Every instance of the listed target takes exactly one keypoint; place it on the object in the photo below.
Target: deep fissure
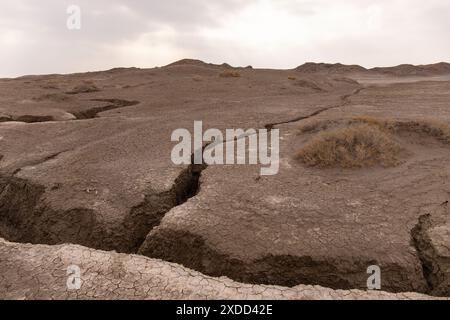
(113, 104)
(432, 263)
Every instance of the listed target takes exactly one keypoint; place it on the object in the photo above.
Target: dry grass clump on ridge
(431, 127)
(230, 74)
(356, 146)
(317, 125)
(362, 141)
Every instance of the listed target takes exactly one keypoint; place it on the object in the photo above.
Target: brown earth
(85, 160)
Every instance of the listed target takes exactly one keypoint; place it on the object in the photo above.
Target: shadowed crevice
(113, 104)
(193, 252)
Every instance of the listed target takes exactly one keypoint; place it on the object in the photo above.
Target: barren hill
(311, 67)
(420, 70)
(441, 68)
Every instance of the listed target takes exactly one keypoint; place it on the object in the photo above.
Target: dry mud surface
(86, 179)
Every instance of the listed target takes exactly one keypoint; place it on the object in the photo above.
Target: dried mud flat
(86, 179)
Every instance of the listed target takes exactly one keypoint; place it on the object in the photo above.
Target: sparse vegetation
(356, 146)
(230, 74)
(434, 128)
(53, 85)
(86, 87)
(308, 84)
(347, 80)
(55, 97)
(362, 141)
(431, 127)
(316, 125)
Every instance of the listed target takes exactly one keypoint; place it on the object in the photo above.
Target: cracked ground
(86, 179)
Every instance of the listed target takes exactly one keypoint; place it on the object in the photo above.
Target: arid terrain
(86, 179)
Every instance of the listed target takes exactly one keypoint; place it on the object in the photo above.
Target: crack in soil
(27, 218)
(80, 115)
(114, 104)
(344, 101)
(40, 161)
(435, 266)
(147, 215)
(193, 252)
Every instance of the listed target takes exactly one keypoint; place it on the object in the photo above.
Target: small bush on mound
(356, 146)
(230, 74)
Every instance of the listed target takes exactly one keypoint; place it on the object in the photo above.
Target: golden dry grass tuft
(356, 146)
(230, 74)
(363, 141)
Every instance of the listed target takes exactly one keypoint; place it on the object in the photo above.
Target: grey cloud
(34, 38)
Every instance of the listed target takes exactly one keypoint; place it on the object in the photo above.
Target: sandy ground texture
(85, 160)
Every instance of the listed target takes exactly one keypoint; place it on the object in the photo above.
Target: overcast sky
(34, 37)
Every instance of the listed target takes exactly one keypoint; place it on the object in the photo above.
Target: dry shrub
(86, 87)
(308, 85)
(434, 128)
(55, 97)
(362, 141)
(316, 125)
(357, 146)
(50, 85)
(292, 78)
(230, 74)
(431, 127)
(346, 80)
